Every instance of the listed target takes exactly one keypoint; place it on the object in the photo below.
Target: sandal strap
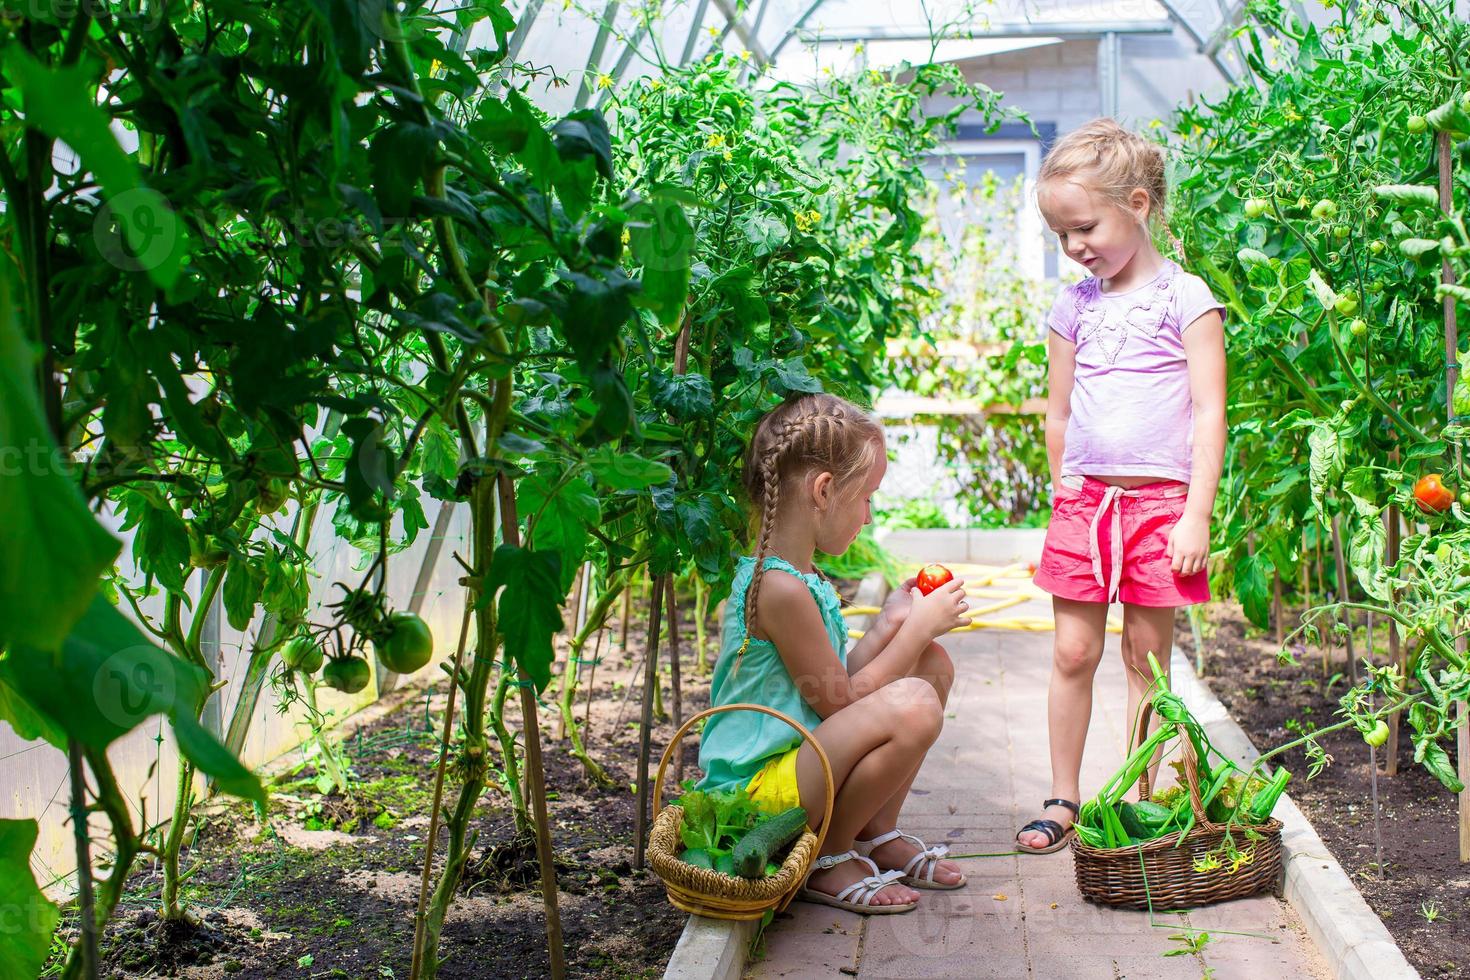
(833, 860)
(1076, 810)
(1050, 828)
(932, 854)
(867, 846)
(863, 892)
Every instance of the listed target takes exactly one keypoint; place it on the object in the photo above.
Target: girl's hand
(1189, 545)
(896, 607)
(941, 610)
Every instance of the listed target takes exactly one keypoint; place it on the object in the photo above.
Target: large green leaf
(27, 918)
(529, 607)
(627, 471)
(1365, 557)
(106, 681)
(61, 102)
(1253, 588)
(560, 517)
(52, 550)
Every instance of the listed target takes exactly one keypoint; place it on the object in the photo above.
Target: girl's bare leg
(1079, 646)
(935, 667)
(1146, 629)
(869, 744)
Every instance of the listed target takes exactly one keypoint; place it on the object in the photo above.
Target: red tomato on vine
(1432, 495)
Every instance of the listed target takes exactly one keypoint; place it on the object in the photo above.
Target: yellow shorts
(774, 789)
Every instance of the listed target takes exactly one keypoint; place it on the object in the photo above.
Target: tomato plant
(1342, 334)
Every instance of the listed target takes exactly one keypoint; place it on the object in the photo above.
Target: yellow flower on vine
(728, 156)
(656, 84)
(604, 80)
(627, 237)
(713, 31)
(858, 48)
(1241, 858)
(744, 55)
(714, 141)
(1209, 862)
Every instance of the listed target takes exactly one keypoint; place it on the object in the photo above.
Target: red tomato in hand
(932, 577)
(1431, 494)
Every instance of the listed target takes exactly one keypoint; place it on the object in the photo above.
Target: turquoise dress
(735, 744)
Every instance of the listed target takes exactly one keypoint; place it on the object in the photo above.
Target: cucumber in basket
(760, 844)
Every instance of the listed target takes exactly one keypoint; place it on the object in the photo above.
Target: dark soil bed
(326, 885)
(1423, 893)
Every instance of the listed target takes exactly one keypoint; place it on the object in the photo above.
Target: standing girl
(811, 470)
(1135, 435)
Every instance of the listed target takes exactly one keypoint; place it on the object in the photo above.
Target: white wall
(33, 775)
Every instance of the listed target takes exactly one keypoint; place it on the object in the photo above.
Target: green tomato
(407, 645)
(1347, 304)
(1465, 499)
(303, 654)
(273, 494)
(1378, 734)
(1325, 209)
(1341, 232)
(347, 674)
(1417, 125)
(1256, 207)
(1443, 554)
(1357, 328)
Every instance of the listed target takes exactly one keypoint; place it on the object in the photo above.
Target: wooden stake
(85, 901)
(1451, 370)
(510, 533)
(1277, 613)
(1342, 593)
(650, 673)
(627, 615)
(673, 613)
(416, 964)
(1395, 648)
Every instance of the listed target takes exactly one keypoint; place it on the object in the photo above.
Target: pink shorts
(1107, 544)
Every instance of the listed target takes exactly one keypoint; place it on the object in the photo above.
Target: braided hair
(805, 434)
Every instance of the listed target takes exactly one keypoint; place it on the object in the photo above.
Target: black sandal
(1056, 837)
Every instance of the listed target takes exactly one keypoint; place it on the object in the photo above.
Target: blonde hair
(1111, 162)
(809, 433)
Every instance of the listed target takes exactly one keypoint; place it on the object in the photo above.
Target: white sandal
(858, 896)
(926, 861)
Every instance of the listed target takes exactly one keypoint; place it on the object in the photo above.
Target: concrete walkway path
(1021, 916)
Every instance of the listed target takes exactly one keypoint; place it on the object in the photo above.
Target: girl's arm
(1061, 362)
(1204, 351)
(789, 618)
(885, 625)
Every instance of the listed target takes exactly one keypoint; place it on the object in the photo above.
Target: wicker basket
(709, 893)
(1158, 875)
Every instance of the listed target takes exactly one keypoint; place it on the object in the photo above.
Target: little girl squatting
(1135, 437)
(811, 470)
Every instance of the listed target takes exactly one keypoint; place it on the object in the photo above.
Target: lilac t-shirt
(1132, 414)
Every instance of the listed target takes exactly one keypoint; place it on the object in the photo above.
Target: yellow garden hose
(978, 582)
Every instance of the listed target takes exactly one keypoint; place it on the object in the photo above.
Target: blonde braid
(771, 500)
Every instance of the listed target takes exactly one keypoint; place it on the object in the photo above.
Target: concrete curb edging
(1347, 932)
(716, 949)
